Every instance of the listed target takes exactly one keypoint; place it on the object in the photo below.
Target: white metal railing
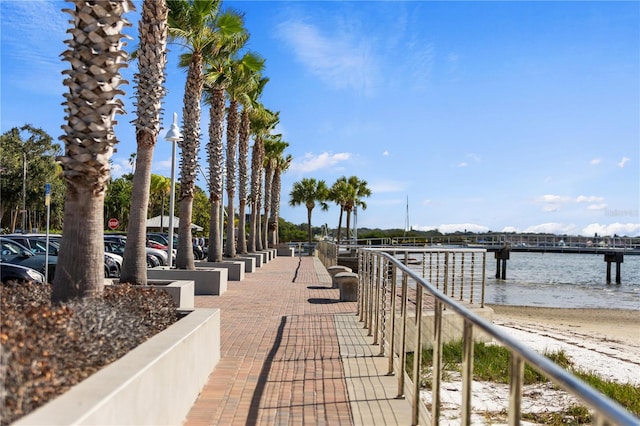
(392, 297)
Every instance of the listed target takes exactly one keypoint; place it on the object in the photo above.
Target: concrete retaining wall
(156, 383)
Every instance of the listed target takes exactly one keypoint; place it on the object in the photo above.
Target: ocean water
(563, 280)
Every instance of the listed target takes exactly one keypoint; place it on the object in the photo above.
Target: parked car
(19, 274)
(15, 253)
(37, 244)
(116, 244)
(199, 253)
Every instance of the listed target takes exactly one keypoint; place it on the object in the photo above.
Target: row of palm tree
(347, 193)
(217, 72)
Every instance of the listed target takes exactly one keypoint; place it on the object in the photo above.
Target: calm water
(563, 281)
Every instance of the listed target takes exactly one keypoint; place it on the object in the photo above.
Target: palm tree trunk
(339, 225)
(232, 138)
(243, 174)
(214, 253)
(134, 265)
(80, 268)
(215, 151)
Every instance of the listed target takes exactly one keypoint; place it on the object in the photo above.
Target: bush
(46, 349)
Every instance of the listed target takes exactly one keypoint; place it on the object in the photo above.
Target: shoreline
(606, 324)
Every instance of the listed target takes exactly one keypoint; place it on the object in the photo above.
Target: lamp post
(173, 136)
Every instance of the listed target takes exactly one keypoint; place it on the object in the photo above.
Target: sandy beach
(606, 324)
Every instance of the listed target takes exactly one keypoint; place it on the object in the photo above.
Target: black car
(17, 254)
(19, 274)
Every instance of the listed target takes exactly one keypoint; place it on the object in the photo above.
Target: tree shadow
(320, 301)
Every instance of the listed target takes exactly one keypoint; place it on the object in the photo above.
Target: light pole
(173, 136)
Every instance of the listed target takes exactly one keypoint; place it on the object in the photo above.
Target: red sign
(113, 223)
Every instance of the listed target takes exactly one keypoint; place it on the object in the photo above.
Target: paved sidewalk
(292, 354)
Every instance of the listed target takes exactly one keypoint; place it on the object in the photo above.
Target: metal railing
(394, 296)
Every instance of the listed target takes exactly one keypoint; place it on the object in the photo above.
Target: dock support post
(502, 256)
(618, 258)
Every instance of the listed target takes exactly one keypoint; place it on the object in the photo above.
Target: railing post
(516, 378)
(467, 371)
(378, 283)
(437, 363)
(417, 357)
(392, 327)
(403, 339)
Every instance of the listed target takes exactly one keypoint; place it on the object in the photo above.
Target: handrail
(375, 292)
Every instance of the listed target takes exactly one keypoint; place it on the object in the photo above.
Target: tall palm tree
(263, 122)
(242, 83)
(274, 146)
(251, 101)
(160, 187)
(339, 193)
(217, 76)
(152, 59)
(193, 23)
(307, 192)
(96, 56)
(276, 187)
(358, 189)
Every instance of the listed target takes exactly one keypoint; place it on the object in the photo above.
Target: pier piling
(618, 258)
(502, 256)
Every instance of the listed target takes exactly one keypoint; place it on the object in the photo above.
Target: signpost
(113, 223)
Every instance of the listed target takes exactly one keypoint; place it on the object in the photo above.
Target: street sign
(113, 223)
(47, 194)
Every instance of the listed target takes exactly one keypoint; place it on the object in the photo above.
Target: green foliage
(287, 231)
(36, 147)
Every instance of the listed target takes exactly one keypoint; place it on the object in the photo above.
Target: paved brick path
(280, 356)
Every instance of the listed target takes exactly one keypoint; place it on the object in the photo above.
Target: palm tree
(159, 188)
(217, 76)
(152, 58)
(339, 193)
(307, 192)
(357, 190)
(251, 101)
(193, 23)
(276, 187)
(242, 82)
(274, 146)
(263, 122)
(96, 56)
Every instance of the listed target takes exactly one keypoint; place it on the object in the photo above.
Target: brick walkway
(281, 364)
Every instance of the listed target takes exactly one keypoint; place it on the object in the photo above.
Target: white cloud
(623, 162)
(621, 229)
(463, 164)
(589, 199)
(552, 228)
(336, 58)
(510, 229)
(426, 202)
(313, 162)
(385, 153)
(595, 161)
(447, 228)
(597, 206)
(550, 198)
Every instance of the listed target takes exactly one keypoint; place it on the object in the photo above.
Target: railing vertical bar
(371, 297)
(392, 327)
(383, 300)
(417, 357)
(516, 378)
(467, 371)
(484, 272)
(403, 335)
(462, 277)
(473, 269)
(378, 281)
(437, 364)
(453, 274)
(363, 285)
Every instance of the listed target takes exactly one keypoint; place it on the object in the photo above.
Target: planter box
(286, 251)
(156, 383)
(249, 262)
(235, 269)
(209, 281)
(181, 291)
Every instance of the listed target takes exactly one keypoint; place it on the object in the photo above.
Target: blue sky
(485, 116)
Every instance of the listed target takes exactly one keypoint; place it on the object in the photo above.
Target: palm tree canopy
(307, 192)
